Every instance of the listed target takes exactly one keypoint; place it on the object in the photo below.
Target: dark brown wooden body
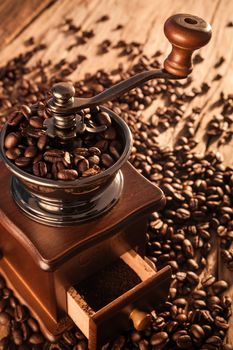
(41, 262)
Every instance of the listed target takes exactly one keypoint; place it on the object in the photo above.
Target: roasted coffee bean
(83, 165)
(184, 342)
(221, 323)
(109, 134)
(77, 159)
(26, 111)
(188, 248)
(15, 118)
(36, 339)
(17, 337)
(32, 132)
(115, 149)
(11, 140)
(94, 151)
(197, 332)
(159, 339)
(107, 160)
(40, 169)
(182, 213)
(208, 281)
(219, 287)
(102, 145)
(23, 162)
(192, 278)
(42, 141)
(26, 331)
(13, 153)
(4, 318)
(90, 172)
(67, 174)
(81, 151)
(56, 167)
(30, 152)
(33, 324)
(104, 118)
(38, 158)
(36, 122)
(20, 313)
(93, 160)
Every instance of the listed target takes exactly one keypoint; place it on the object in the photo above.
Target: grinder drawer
(126, 290)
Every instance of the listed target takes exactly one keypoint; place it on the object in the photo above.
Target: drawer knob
(141, 319)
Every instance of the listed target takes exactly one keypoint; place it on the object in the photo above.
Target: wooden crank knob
(186, 33)
(141, 319)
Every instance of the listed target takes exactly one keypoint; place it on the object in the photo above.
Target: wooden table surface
(142, 22)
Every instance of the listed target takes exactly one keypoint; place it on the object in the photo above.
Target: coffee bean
(83, 165)
(93, 160)
(192, 278)
(90, 172)
(67, 174)
(11, 140)
(42, 141)
(104, 118)
(197, 332)
(184, 342)
(13, 153)
(219, 287)
(94, 151)
(15, 118)
(221, 323)
(4, 318)
(182, 213)
(208, 281)
(22, 162)
(33, 324)
(109, 134)
(56, 167)
(30, 152)
(102, 145)
(17, 337)
(81, 151)
(32, 132)
(214, 340)
(20, 313)
(188, 248)
(26, 111)
(107, 160)
(159, 339)
(36, 122)
(115, 149)
(54, 155)
(40, 169)
(36, 339)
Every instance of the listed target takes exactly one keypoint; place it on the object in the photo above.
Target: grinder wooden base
(42, 263)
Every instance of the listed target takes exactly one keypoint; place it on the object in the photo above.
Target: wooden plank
(16, 15)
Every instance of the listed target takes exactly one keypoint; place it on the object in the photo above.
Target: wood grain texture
(143, 22)
(145, 25)
(16, 15)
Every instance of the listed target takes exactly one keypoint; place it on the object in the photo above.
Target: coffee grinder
(57, 234)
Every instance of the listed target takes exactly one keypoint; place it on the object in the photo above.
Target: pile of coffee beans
(198, 216)
(88, 154)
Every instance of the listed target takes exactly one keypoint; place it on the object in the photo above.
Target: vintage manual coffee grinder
(68, 232)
